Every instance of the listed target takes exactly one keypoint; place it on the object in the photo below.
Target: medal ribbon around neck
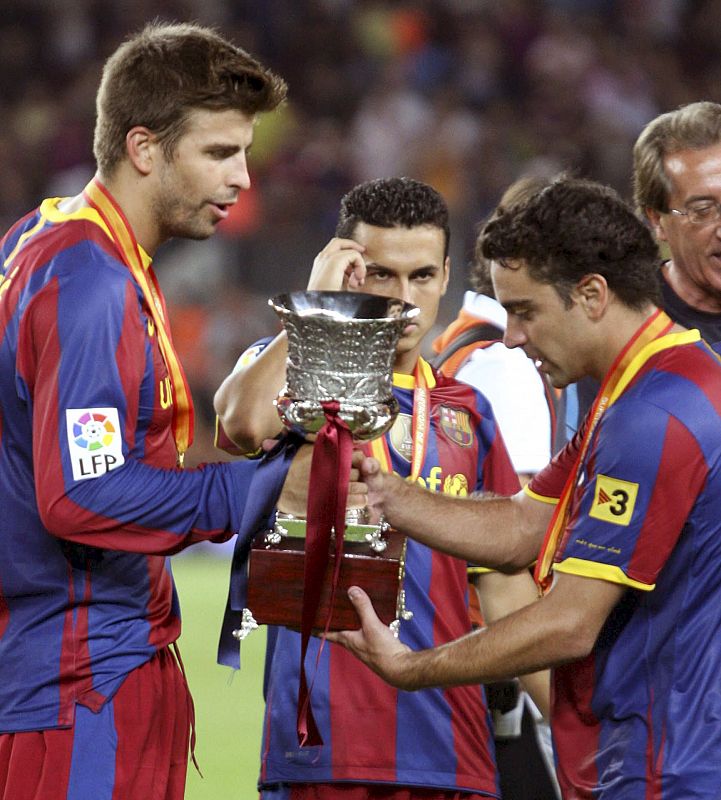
(625, 367)
(111, 214)
(420, 425)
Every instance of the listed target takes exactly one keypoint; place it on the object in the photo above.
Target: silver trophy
(341, 346)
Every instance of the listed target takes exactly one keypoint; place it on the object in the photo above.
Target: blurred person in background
(471, 349)
(677, 187)
(95, 418)
(392, 239)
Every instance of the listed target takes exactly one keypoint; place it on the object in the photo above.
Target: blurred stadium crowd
(465, 94)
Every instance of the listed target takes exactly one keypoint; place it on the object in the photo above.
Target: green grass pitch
(228, 705)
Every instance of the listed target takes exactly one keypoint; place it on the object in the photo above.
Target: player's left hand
(375, 645)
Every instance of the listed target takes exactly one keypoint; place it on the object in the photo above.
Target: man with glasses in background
(677, 188)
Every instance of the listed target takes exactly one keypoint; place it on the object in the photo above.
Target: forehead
(401, 248)
(695, 173)
(517, 291)
(230, 126)
(513, 283)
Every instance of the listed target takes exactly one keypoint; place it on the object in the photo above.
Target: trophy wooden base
(275, 582)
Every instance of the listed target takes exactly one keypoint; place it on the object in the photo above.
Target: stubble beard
(179, 221)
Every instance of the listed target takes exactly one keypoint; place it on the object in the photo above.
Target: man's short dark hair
(574, 228)
(159, 75)
(393, 202)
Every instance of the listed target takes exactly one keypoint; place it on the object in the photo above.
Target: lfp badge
(94, 441)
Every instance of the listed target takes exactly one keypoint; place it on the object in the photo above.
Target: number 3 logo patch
(614, 500)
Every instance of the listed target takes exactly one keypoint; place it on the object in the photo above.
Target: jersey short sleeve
(222, 440)
(641, 478)
(547, 485)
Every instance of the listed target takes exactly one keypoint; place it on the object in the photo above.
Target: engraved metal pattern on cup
(334, 354)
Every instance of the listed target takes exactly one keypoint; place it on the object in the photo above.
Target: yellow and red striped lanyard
(420, 424)
(643, 344)
(111, 214)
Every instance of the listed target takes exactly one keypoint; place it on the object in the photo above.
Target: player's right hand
(339, 265)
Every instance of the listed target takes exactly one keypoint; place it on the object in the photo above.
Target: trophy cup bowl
(341, 347)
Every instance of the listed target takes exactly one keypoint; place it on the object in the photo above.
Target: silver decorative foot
(404, 614)
(375, 538)
(247, 624)
(275, 536)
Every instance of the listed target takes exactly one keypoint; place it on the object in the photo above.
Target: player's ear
(592, 295)
(141, 146)
(446, 274)
(655, 220)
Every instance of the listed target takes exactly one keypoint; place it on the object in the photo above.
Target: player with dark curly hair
(623, 525)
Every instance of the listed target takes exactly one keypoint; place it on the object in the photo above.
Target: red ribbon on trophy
(327, 498)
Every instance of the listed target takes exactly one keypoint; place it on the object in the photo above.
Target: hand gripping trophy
(341, 348)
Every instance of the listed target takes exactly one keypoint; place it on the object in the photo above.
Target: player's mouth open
(221, 209)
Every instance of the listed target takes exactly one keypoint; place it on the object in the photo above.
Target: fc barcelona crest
(456, 424)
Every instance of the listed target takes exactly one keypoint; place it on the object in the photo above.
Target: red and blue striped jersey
(92, 501)
(638, 717)
(371, 731)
